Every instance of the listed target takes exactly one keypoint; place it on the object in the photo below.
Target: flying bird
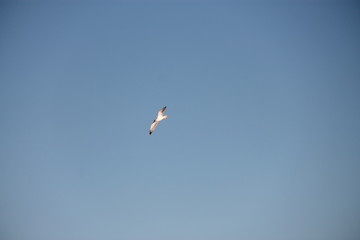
(159, 117)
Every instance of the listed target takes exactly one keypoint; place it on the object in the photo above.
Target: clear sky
(262, 141)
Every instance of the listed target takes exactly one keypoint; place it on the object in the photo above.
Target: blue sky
(262, 139)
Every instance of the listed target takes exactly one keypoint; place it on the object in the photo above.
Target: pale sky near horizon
(262, 141)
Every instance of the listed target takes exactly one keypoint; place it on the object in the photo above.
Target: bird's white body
(159, 117)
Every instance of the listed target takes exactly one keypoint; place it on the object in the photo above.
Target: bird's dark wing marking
(163, 109)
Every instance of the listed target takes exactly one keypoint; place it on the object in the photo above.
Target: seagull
(159, 117)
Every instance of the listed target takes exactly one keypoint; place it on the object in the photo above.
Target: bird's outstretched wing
(160, 113)
(153, 126)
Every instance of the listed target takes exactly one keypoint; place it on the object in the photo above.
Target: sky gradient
(262, 141)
